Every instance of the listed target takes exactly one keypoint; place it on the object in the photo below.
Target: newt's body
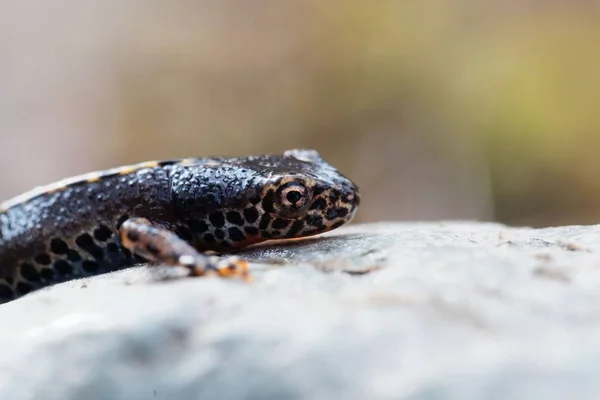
(167, 212)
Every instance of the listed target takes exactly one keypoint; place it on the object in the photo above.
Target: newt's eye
(292, 196)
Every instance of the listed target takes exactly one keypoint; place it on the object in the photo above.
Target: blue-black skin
(71, 229)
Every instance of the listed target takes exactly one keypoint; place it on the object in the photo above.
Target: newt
(169, 212)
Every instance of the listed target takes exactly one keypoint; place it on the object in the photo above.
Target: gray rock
(378, 311)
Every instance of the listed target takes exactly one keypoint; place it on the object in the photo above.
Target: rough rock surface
(379, 311)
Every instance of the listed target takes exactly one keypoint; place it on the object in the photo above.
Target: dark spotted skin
(167, 212)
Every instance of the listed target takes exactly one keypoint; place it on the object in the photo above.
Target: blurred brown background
(438, 109)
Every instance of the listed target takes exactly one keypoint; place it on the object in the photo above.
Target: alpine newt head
(234, 202)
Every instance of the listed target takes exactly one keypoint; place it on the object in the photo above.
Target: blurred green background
(455, 109)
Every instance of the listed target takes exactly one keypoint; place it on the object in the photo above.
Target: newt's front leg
(160, 245)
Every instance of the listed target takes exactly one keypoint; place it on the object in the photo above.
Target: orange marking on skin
(239, 268)
(149, 164)
(188, 161)
(94, 178)
(136, 167)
